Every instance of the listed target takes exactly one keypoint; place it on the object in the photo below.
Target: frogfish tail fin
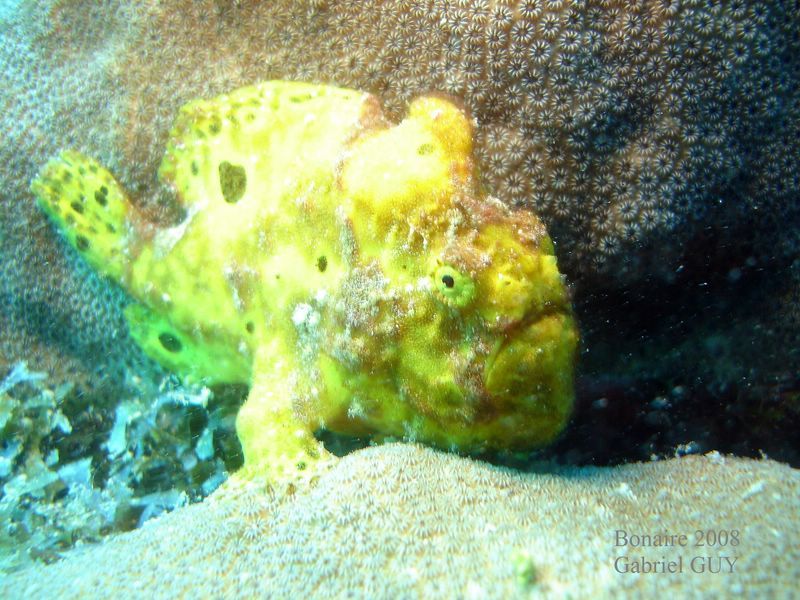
(89, 207)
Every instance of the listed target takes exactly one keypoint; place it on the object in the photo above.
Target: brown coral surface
(401, 521)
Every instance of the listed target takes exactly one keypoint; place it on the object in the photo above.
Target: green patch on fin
(89, 207)
(197, 360)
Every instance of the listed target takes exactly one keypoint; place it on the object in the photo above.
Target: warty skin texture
(350, 271)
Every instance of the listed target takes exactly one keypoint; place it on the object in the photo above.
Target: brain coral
(404, 522)
(632, 127)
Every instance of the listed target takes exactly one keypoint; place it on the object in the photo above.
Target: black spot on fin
(170, 342)
(232, 181)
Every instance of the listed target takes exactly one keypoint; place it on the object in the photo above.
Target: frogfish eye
(453, 287)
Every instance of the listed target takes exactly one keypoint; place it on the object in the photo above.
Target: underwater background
(658, 143)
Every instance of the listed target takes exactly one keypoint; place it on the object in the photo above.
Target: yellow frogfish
(349, 269)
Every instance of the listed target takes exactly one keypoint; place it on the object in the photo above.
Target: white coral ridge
(402, 521)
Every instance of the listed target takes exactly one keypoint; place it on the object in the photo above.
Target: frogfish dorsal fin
(242, 148)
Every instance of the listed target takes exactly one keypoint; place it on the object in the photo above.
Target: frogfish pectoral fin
(195, 359)
(278, 444)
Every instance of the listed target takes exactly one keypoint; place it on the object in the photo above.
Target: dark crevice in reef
(690, 365)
